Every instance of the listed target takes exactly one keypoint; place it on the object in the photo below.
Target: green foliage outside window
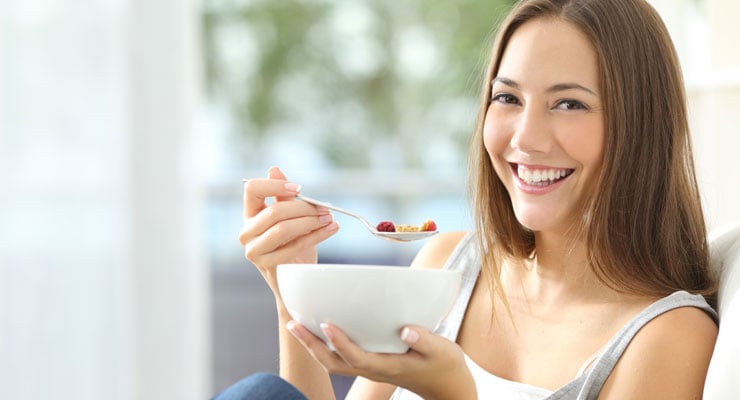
(359, 79)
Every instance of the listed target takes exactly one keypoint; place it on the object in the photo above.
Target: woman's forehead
(547, 51)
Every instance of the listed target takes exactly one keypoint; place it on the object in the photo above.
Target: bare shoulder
(437, 250)
(667, 359)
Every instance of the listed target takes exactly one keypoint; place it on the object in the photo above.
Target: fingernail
(409, 336)
(327, 331)
(293, 187)
(325, 219)
(332, 227)
(291, 327)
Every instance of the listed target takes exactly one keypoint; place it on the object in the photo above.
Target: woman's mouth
(540, 176)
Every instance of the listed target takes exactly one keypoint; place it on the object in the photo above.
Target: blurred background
(127, 126)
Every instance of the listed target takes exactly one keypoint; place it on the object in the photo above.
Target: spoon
(392, 236)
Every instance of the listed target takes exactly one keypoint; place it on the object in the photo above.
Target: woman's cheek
(488, 133)
(494, 138)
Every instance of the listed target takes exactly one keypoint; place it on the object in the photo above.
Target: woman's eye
(505, 98)
(570, 105)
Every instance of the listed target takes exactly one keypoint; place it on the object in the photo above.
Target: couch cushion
(723, 377)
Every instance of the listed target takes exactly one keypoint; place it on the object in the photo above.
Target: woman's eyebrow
(505, 81)
(558, 87)
(568, 86)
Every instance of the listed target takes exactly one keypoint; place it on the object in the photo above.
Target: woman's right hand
(285, 231)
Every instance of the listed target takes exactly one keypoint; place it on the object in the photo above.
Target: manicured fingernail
(293, 187)
(327, 332)
(325, 219)
(291, 327)
(332, 227)
(409, 336)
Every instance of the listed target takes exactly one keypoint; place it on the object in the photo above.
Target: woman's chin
(537, 222)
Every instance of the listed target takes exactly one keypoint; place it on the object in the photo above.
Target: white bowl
(370, 303)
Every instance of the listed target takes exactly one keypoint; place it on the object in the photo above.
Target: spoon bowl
(392, 236)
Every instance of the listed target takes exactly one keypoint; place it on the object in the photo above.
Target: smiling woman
(575, 285)
(640, 111)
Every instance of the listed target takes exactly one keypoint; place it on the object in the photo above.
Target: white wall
(103, 284)
(716, 112)
(706, 33)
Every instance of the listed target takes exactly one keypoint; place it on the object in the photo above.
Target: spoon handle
(337, 209)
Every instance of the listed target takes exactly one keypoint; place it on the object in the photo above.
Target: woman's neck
(558, 272)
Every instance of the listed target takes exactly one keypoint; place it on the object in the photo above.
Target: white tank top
(491, 386)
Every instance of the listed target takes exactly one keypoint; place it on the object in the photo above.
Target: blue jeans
(261, 386)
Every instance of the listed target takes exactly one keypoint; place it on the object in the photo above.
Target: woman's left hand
(433, 368)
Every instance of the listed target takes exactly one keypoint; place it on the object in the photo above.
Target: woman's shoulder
(438, 249)
(669, 355)
(686, 329)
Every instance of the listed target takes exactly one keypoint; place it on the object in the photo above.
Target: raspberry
(386, 226)
(429, 226)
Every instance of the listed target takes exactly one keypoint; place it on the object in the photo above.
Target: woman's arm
(667, 359)
(298, 367)
(286, 231)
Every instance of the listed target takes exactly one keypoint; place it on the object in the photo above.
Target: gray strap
(465, 258)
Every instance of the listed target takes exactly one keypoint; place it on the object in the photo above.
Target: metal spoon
(392, 236)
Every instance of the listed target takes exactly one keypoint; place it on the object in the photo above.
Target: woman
(588, 271)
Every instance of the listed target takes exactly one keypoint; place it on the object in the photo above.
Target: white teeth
(540, 176)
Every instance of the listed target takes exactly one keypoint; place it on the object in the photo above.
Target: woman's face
(544, 128)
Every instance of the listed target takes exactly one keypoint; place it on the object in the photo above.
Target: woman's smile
(536, 178)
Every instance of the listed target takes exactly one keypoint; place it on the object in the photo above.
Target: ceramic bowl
(370, 303)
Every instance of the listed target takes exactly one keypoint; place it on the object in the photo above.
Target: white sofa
(723, 377)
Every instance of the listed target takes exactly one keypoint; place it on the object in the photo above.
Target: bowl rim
(361, 267)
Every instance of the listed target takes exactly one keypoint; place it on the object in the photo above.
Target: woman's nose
(531, 133)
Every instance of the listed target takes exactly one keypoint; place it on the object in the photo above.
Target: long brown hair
(644, 225)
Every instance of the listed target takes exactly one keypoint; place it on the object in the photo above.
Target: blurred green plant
(363, 80)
